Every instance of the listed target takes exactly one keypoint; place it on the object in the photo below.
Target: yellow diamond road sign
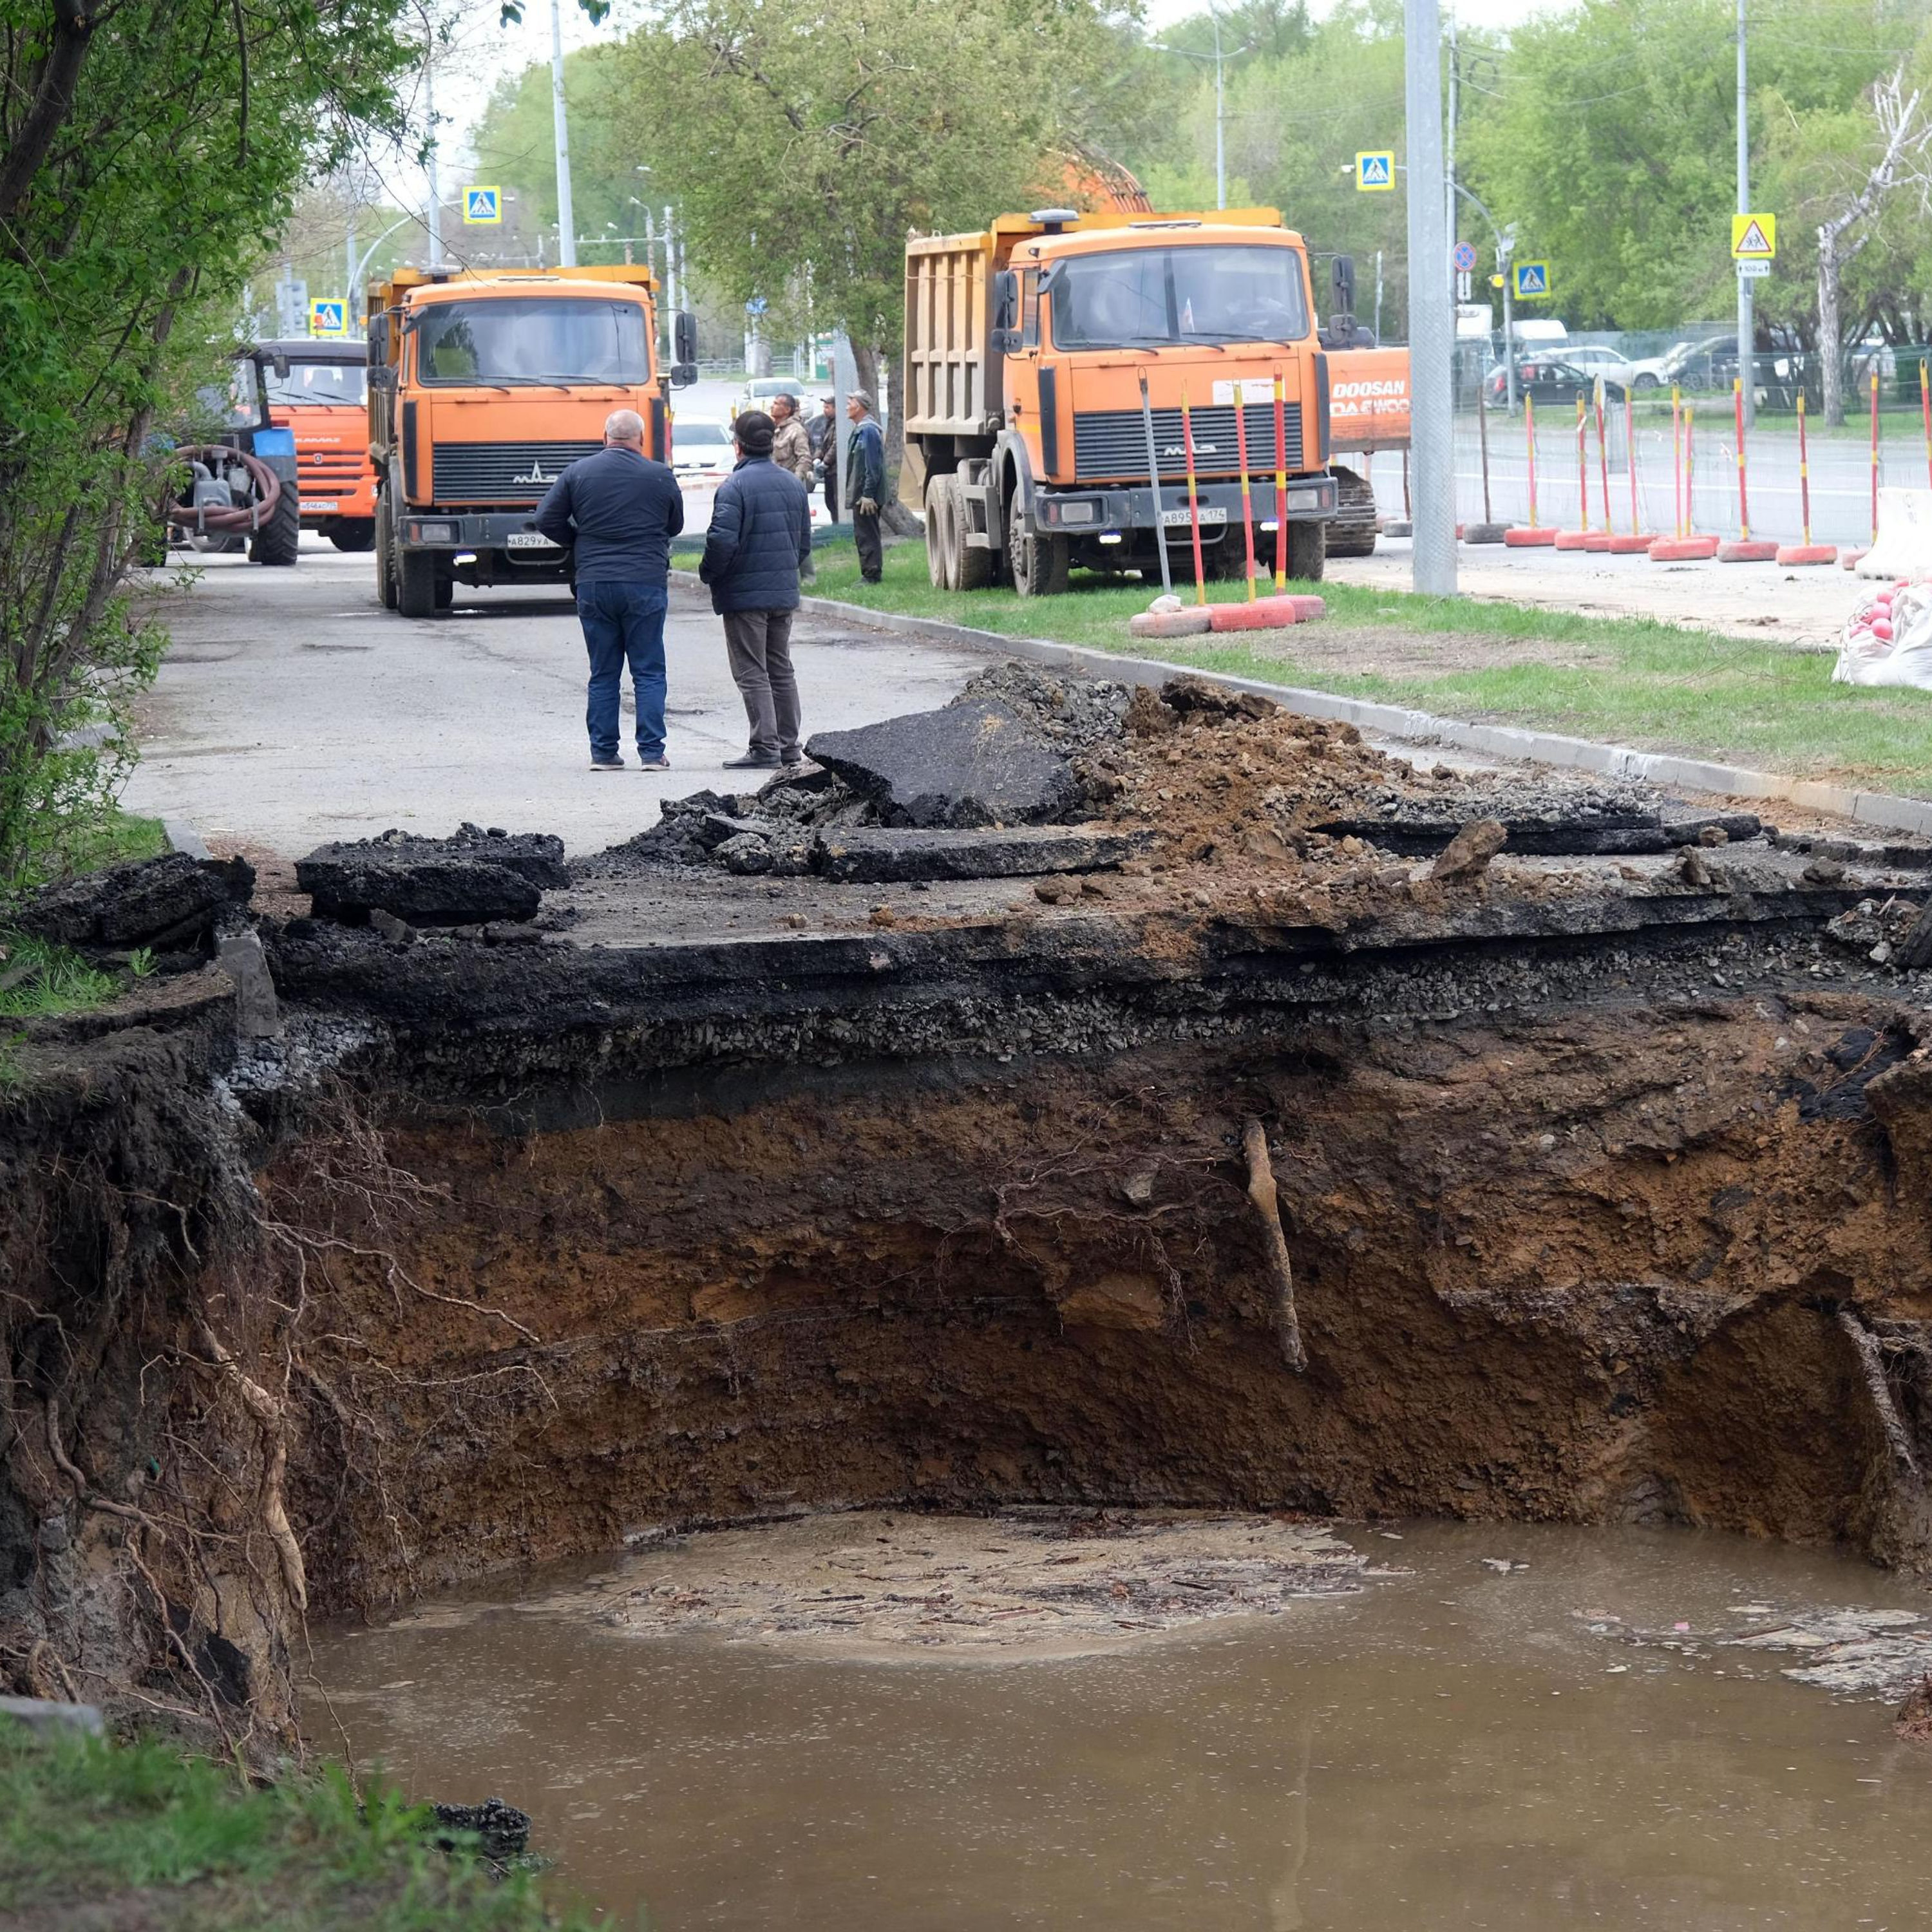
(1754, 237)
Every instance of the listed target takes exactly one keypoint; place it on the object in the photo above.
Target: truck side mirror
(378, 340)
(683, 374)
(381, 377)
(281, 362)
(684, 340)
(1343, 273)
(1006, 311)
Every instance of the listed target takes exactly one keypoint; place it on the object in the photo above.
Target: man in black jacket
(619, 510)
(761, 537)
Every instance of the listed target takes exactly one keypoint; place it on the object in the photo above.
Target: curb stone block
(1265, 613)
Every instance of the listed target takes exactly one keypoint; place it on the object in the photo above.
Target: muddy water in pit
(1452, 1745)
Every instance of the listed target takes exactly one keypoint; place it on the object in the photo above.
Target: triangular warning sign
(1749, 242)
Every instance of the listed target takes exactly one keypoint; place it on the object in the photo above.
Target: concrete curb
(182, 837)
(1415, 727)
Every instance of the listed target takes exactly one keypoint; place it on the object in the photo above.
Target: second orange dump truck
(1026, 347)
(316, 388)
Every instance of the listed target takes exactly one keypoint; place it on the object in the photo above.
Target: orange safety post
(1743, 551)
(1687, 548)
(1634, 540)
(1874, 444)
(1925, 415)
(1531, 535)
(1579, 537)
(1807, 552)
(1603, 456)
(1247, 503)
(1193, 497)
(1676, 461)
(1280, 483)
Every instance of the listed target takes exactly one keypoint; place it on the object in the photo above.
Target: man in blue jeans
(619, 510)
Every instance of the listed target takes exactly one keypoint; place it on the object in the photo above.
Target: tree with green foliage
(1609, 135)
(149, 153)
(802, 139)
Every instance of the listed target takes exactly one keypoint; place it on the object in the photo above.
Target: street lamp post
(566, 220)
(1220, 61)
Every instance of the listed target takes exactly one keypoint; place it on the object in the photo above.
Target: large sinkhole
(1612, 1264)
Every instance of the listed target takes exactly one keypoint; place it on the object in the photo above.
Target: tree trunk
(1830, 355)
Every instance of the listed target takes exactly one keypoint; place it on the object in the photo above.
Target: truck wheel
(353, 533)
(942, 533)
(1307, 551)
(976, 561)
(385, 562)
(415, 584)
(445, 592)
(1353, 532)
(1039, 564)
(279, 539)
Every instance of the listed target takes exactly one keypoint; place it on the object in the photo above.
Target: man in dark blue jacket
(760, 537)
(619, 510)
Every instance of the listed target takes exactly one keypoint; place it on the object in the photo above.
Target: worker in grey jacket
(760, 539)
(866, 482)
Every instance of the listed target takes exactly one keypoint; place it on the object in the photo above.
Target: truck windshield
(1135, 298)
(555, 340)
(309, 385)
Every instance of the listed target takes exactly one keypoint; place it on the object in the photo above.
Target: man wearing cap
(760, 539)
(866, 482)
(618, 511)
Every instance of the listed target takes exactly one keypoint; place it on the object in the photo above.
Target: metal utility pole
(566, 219)
(1746, 333)
(1221, 113)
(1449, 147)
(1431, 334)
(671, 268)
(435, 174)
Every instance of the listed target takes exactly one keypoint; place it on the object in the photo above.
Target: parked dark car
(1550, 379)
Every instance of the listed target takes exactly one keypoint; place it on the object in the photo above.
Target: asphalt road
(1840, 474)
(293, 708)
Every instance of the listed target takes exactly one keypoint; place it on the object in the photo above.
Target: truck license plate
(527, 540)
(1179, 520)
(320, 503)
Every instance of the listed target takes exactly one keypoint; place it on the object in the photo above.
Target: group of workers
(617, 511)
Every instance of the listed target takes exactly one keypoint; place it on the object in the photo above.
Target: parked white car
(702, 455)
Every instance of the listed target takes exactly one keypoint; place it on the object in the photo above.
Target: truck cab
(318, 389)
(483, 388)
(1029, 350)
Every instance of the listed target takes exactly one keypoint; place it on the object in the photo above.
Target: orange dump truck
(1026, 347)
(317, 389)
(482, 387)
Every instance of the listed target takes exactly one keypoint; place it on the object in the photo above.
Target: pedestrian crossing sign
(1754, 238)
(1532, 280)
(483, 206)
(1374, 171)
(328, 318)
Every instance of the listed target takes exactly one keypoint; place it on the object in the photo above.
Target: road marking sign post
(1374, 171)
(327, 317)
(1530, 280)
(483, 207)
